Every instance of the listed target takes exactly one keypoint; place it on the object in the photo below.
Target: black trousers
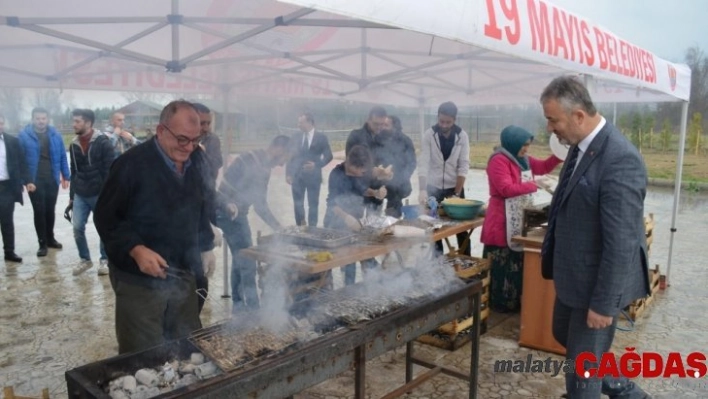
(7, 211)
(440, 195)
(44, 201)
(148, 317)
(310, 186)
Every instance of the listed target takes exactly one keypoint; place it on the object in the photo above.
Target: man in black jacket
(13, 173)
(152, 218)
(366, 134)
(393, 151)
(310, 153)
(91, 155)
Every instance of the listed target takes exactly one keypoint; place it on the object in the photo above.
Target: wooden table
(537, 299)
(347, 254)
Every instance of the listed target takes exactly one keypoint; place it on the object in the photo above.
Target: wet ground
(51, 321)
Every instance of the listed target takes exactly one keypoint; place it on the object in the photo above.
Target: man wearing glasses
(151, 215)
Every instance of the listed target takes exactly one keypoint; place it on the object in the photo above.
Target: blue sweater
(57, 152)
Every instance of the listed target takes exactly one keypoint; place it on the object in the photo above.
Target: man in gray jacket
(444, 162)
(595, 245)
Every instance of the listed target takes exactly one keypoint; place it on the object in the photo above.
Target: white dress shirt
(4, 173)
(308, 136)
(585, 144)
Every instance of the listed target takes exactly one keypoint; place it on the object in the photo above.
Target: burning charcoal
(147, 377)
(196, 359)
(140, 393)
(144, 392)
(119, 394)
(187, 380)
(116, 384)
(205, 370)
(129, 384)
(167, 374)
(186, 368)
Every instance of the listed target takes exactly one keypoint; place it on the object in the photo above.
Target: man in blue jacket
(46, 160)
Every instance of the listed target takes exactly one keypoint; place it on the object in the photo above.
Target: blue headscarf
(512, 139)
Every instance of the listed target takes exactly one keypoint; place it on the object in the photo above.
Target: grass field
(660, 165)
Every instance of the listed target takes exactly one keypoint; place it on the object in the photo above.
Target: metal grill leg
(360, 376)
(409, 362)
(474, 361)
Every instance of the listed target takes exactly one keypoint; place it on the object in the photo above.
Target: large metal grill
(293, 361)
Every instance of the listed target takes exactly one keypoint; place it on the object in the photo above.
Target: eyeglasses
(183, 140)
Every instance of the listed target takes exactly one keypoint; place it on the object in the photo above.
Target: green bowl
(463, 211)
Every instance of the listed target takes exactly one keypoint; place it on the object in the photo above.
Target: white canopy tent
(397, 52)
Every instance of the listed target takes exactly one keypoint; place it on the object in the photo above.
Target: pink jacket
(505, 182)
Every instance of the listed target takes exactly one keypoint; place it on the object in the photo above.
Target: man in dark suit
(310, 153)
(595, 246)
(13, 173)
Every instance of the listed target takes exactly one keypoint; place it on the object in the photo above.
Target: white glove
(381, 193)
(352, 223)
(208, 263)
(218, 236)
(423, 197)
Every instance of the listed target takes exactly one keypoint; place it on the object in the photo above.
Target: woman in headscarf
(511, 183)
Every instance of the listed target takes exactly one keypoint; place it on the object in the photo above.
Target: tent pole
(614, 114)
(175, 31)
(226, 151)
(677, 187)
(421, 118)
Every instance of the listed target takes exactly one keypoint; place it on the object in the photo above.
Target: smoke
(275, 297)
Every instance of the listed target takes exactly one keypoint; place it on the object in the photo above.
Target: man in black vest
(310, 153)
(13, 172)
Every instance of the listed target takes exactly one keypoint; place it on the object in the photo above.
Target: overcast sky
(666, 28)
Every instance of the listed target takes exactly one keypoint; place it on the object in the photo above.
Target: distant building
(140, 115)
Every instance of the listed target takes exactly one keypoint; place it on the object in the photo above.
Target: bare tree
(696, 59)
(11, 105)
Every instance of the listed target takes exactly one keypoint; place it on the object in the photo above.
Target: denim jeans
(244, 291)
(83, 206)
(350, 270)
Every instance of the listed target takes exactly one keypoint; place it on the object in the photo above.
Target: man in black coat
(310, 152)
(393, 151)
(13, 173)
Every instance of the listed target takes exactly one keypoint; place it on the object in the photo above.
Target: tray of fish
(309, 236)
(232, 348)
(360, 303)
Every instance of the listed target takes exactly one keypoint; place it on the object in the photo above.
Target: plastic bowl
(462, 211)
(410, 211)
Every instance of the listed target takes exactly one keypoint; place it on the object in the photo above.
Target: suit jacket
(600, 256)
(319, 152)
(16, 165)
